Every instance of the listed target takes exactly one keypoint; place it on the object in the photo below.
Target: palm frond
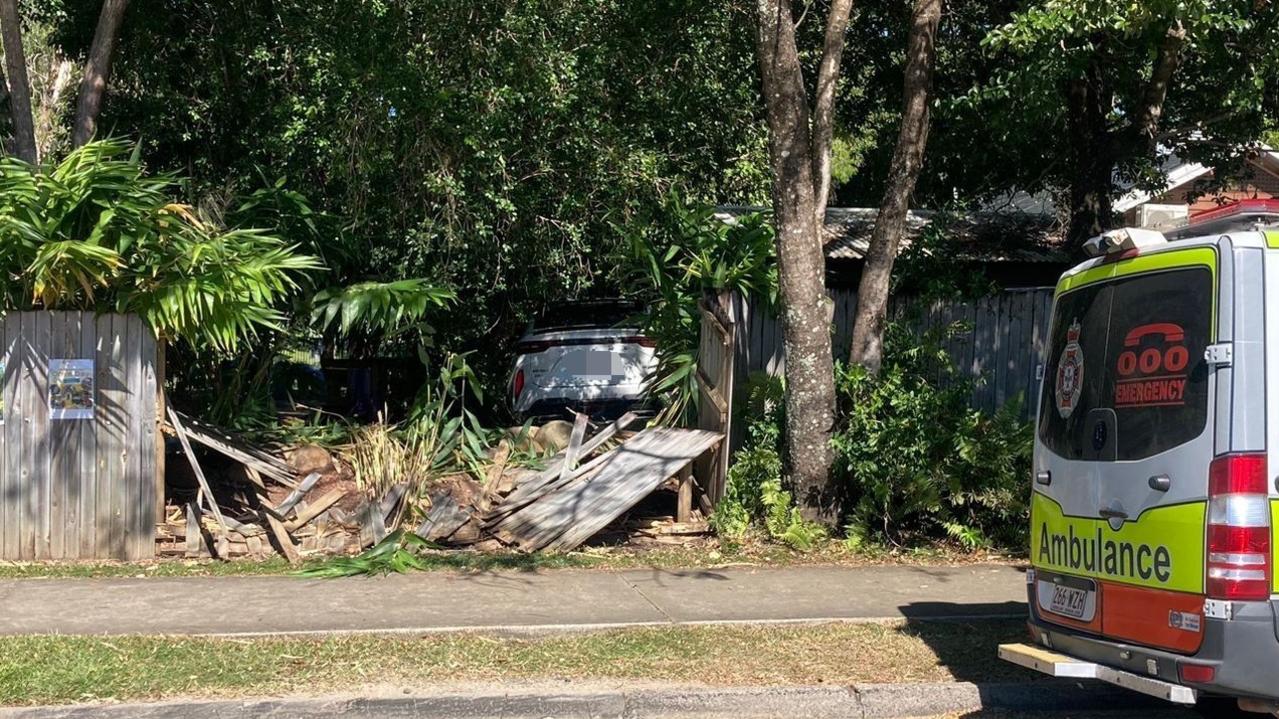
(65, 271)
(379, 306)
(95, 230)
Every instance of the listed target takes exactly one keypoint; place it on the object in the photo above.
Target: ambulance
(1155, 482)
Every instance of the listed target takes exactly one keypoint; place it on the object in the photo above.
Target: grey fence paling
(78, 488)
(1001, 348)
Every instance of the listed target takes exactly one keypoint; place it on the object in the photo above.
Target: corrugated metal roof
(983, 237)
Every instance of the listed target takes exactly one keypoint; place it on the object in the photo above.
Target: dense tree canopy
(484, 146)
(1094, 95)
(494, 148)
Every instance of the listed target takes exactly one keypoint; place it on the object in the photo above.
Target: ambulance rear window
(1125, 376)
(1160, 326)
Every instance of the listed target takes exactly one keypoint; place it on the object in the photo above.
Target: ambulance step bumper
(1059, 665)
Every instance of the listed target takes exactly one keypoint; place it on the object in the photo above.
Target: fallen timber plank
(196, 469)
(372, 524)
(569, 516)
(320, 506)
(574, 448)
(394, 505)
(509, 509)
(214, 432)
(224, 444)
(517, 520)
(553, 468)
(282, 538)
(194, 532)
(296, 495)
(444, 518)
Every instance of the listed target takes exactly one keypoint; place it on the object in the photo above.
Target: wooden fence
(716, 379)
(78, 440)
(1000, 349)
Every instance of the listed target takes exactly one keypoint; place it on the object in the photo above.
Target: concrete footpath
(556, 600)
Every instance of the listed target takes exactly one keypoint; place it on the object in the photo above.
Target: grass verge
(63, 669)
(614, 558)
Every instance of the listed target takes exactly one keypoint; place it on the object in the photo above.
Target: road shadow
(968, 649)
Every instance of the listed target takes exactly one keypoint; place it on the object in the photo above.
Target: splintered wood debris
(566, 504)
(585, 488)
(241, 519)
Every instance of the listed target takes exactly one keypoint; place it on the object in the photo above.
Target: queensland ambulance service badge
(1070, 373)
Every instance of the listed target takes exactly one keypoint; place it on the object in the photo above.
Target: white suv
(586, 356)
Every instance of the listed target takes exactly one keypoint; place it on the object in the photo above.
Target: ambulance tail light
(1238, 528)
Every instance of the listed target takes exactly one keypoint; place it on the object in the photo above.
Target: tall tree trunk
(1088, 104)
(806, 311)
(1098, 147)
(96, 71)
(4, 98)
(15, 62)
(903, 172)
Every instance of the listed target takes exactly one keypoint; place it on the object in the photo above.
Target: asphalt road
(654, 701)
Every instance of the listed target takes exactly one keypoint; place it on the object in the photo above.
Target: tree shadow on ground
(968, 650)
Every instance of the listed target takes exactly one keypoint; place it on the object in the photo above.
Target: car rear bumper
(598, 409)
(1243, 650)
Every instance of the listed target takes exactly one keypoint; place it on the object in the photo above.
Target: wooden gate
(715, 390)
(78, 439)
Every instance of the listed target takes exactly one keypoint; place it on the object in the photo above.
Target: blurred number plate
(602, 364)
(1068, 597)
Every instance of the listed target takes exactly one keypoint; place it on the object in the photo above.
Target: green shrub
(96, 231)
(754, 495)
(914, 462)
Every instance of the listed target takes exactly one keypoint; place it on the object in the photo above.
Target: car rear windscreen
(1125, 367)
(586, 315)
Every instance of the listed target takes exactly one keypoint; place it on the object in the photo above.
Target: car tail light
(1197, 673)
(517, 384)
(640, 340)
(1238, 528)
(533, 347)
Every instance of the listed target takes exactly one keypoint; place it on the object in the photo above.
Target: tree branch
(903, 172)
(824, 105)
(15, 60)
(1146, 119)
(96, 70)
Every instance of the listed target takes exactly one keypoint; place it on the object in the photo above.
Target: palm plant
(96, 232)
(694, 253)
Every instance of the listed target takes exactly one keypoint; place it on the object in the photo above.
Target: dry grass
(51, 669)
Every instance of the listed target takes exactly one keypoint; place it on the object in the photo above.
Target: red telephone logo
(1156, 374)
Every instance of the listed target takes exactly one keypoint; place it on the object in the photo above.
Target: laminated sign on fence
(70, 389)
(78, 436)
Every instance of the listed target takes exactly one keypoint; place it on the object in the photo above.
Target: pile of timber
(585, 488)
(244, 521)
(581, 490)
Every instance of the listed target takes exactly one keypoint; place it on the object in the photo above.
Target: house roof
(980, 237)
(1180, 173)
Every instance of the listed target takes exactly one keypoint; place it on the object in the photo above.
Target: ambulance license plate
(1068, 597)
